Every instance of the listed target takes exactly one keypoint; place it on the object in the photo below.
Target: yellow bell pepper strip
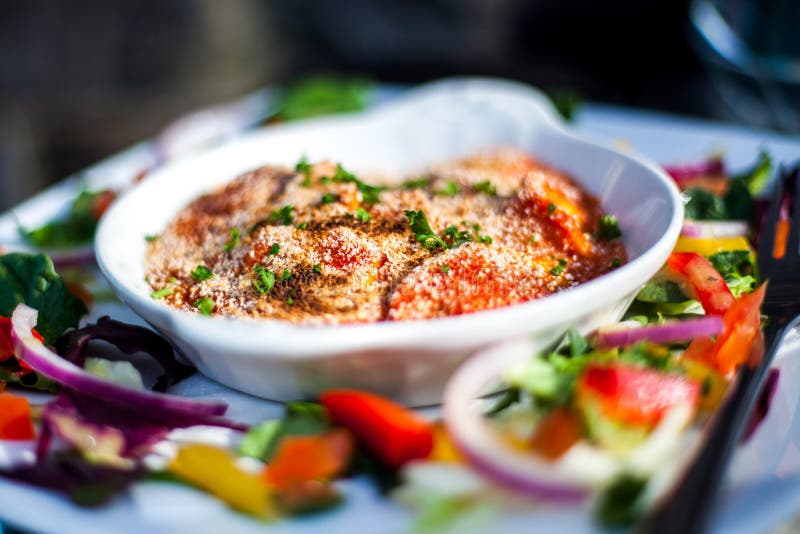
(710, 246)
(214, 470)
(443, 448)
(15, 418)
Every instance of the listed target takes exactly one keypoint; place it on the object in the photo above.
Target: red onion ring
(485, 450)
(710, 229)
(42, 360)
(669, 332)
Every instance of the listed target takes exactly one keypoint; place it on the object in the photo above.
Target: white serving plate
(408, 361)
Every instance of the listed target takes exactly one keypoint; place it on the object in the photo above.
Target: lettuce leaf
(32, 279)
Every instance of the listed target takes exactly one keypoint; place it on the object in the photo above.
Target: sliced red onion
(488, 453)
(42, 360)
(681, 173)
(709, 229)
(669, 332)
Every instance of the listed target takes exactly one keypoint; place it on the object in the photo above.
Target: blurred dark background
(86, 78)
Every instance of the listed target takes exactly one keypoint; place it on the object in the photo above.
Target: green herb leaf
(201, 273)
(151, 238)
(551, 208)
(165, 291)
(75, 228)
(369, 193)
(661, 291)
(274, 249)
(301, 419)
(304, 167)
(328, 198)
(450, 189)
(285, 275)
(416, 183)
(609, 228)
(445, 269)
(204, 305)
(32, 279)
(418, 223)
(558, 269)
(233, 241)
(362, 215)
(282, 215)
(454, 237)
(317, 268)
(620, 503)
(757, 177)
(302, 226)
(485, 187)
(322, 95)
(265, 279)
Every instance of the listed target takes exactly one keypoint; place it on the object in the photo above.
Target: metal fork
(687, 509)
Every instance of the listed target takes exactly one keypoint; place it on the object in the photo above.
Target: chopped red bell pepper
(556, 433)
(301, 459)
(708, 284)
(742, 325)
(738, 340)
(393, 433)
(15, 418)
(635, 395)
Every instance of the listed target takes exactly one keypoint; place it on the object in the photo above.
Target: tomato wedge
(635, 395)
(708, 284)
(393, 433)
(742, 325)
(15, 418)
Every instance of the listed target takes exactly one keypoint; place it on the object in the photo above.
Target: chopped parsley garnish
(265, 279)
(609, 228)
(201, 273)
(204, 305)
(166, 291)
(419, 225)
(285, 275)
(233, 241)
(304, 167)
(534, 239)
(445, 269)
(362, 215)
(151, 237)
(370, 193)
(454, 237)
(450, 238)
(485, 187)
(558, 269)
(302, 226)
(290, 301)
(274, 249)
(616, 262)
(317, 268)
(416, 183)
(551, 208)
(328, 198)
(282, 215)
(485, 239)
(450, 189)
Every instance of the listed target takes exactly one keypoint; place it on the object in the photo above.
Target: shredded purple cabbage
(130, 339)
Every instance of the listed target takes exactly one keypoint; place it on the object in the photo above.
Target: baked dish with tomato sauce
(318, 245)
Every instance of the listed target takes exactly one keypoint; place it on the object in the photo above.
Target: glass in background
(752, 50)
